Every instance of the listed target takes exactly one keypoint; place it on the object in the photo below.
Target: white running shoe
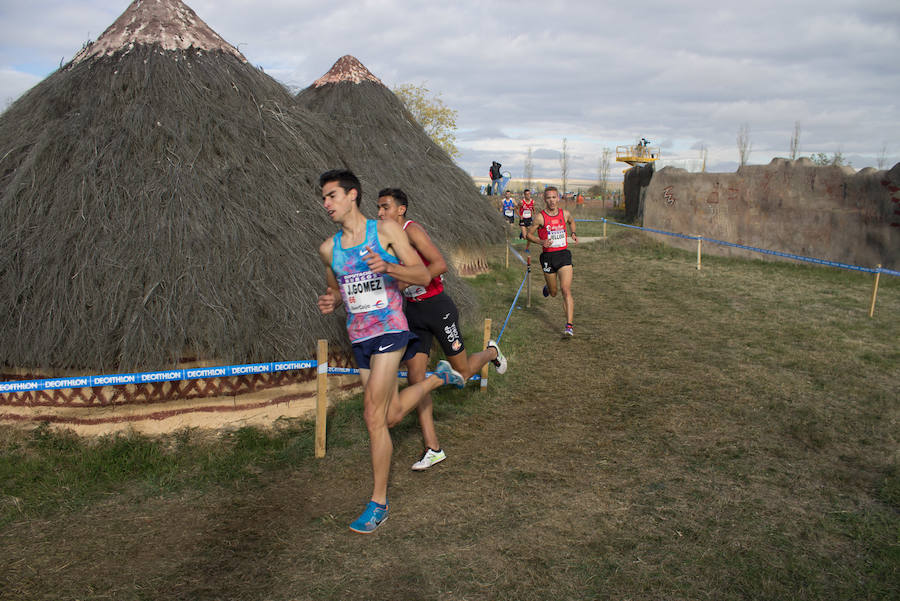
(500, 361)
(428, 459)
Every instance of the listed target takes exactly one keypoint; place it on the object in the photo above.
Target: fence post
(507, 248)
(321, 397)
(604, 228)
(528, 277)
(875, 290)
(699, 242)
(487, 337)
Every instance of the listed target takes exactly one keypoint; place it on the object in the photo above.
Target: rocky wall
(796, 207)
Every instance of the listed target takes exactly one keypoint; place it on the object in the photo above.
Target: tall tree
(795, 141)
(564, 166)
(529, 168)
(882, 156)
(603, 171)
(743, 143)
(437, 119)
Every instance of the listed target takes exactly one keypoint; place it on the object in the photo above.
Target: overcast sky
(526, 74)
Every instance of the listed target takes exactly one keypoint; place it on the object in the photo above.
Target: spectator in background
(496, 176)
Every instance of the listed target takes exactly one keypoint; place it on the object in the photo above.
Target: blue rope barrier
(751, 248)
(513, 306)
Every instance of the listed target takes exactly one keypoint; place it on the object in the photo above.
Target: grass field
(729, 433)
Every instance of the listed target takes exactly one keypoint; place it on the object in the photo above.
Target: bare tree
(795, 141)
(564, 166)
(704, 153)
(529, 168)
(743, 143)
(882, 156)
(603, 171)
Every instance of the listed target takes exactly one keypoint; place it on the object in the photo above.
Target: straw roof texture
(386, 147)
(160, 204)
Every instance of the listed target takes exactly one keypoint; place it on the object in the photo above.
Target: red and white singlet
(554, 228)
(416, 293)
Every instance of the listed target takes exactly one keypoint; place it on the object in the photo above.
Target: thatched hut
(160, 209)
(386, 147)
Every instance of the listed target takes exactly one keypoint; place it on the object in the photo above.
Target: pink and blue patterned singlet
(373, 301)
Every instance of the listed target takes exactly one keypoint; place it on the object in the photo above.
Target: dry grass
(723, 434)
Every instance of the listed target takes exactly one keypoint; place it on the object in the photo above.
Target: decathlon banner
(171, 375)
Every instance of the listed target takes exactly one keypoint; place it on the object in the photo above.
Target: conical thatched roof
(386, 147)
(159, 202)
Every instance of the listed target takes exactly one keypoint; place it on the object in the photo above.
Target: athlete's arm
(393, 238)
(421, 242)
(570, 221)
(329, 301)
(531, 234)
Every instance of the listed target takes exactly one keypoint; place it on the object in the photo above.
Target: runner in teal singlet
(363, 262)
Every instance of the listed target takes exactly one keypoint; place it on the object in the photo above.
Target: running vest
(416, 293)
(509, 207)
(527, 210)
(554, 228)
(373, 300)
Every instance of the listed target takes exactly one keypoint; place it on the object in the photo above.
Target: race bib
(557, 238)
(364, 292)
(526, 214)
(413, 291)
(508, 212)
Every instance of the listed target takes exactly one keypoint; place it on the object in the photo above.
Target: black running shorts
(551, 262)
(435, 317)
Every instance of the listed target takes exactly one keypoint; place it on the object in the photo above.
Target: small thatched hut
(160, 209)
(386, 146)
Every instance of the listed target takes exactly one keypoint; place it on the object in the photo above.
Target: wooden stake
(875, 290)
(699, 243)
(604, 229)
(322, 397)
(487, 337)
(507, 248)
(528, 283)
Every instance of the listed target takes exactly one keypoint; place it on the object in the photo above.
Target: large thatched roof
(386, 147)
(159, 202)
(384, 144)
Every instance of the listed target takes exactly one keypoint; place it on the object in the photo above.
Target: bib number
(526, 214)
(364, 292)
(508, 212)
(413, 291)
(557, 238)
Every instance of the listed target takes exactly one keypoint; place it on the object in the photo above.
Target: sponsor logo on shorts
(456, 345)
(381, 349)
(446, 317)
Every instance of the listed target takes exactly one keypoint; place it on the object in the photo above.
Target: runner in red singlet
(431, 313)
(552, 225)
(526, 216)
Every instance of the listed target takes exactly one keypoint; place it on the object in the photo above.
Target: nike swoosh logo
(381, 349)
(447, 316)
(363, 252)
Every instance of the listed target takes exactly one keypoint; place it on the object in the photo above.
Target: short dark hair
(346, 179)
(526, 190)
(397, 194)
(548, 188)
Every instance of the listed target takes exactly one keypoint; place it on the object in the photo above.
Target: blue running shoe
(545, 291)
(449, 375)
(373, 516)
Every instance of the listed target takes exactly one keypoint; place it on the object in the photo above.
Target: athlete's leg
(565, 285)
(410, 397)
(550, 278)
(468, 365)
(417, 366)
(380, 387)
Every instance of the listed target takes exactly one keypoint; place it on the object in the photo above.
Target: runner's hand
(375, 262)
(326, 301)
